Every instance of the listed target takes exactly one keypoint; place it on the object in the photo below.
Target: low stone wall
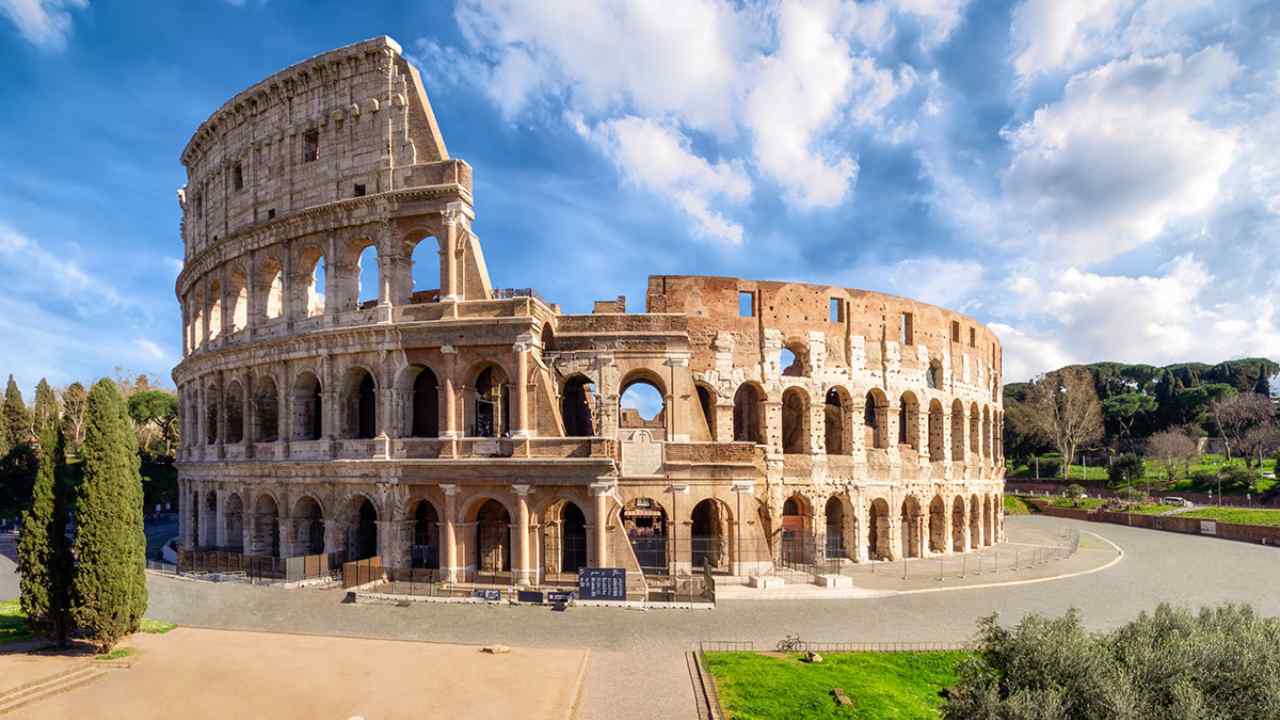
(1170, 523)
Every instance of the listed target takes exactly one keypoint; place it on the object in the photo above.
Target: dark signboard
(490, 595)
(602, 583)
(529, 596)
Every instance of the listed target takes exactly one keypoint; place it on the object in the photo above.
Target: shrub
(1236, 478)
(1219, 663)
(1125, 469)
(1075, 490)
(1048, 467)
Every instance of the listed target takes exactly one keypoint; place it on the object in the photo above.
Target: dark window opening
(955, 331)
(310, 145)
(237, 177)
(908, 334)
(973, 337)
(358, 190)
(271, 214)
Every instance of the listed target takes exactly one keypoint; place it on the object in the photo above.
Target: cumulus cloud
(1122, 154)
(44, 23)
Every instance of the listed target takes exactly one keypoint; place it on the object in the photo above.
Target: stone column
(520, 415)
(449, 428)
(285, 530)
(333, 540)
(222, 414)
(184, 513)
(742, 488)
(523, 571)
(388, 258)
(251, 288)
(220, 520)
(448, 532)
(600, 492)
(947, 526)
(449, 262)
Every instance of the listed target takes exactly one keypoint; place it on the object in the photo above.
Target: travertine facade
(469, 428)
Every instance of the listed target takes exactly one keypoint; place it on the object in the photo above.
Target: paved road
(637, 669)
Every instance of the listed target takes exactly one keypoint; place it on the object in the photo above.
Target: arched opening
(988, 521)
(797, 530)
(362, 537)
(307, 407)
(645, 522)
(425, 404)
(935, 431)
(266, 527)
(425, 550)
(576, 407)
(795, 422)
(215, 310)
(836, 546)
(266, 410)
(975, 523)
(711, 528)
(933, 376)
(875, 420)
(911, 527)
(308, 521)
(957, 431)
(211, 510)
(975, 428)
(360, 404)
(490, 409)
(493, 538)
(748, 420)
(235, 413)
(313, 285)
(197, 322)
(425, 270)
(212, 397)
(270, 286)
(366, 275)
(957, 525)
(233, 517)
(938, 525)
(706, 402)
(794, 359)
(573, 540)
(986, 433)
(642, 406)
(239, 302)
(909, 421)
(836, 411)
(879, 543)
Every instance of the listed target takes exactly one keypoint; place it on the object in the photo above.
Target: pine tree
(44, 554)
(109, 591)
(16, 419)
(45, 411)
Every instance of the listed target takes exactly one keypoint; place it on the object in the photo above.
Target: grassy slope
(882, 685)
(1208, 463)
(13, 624)
(1242, 516)
(1014, 505)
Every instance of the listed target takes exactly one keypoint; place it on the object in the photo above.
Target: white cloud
(1080, 316)
(28, 265)
(939, 17)
(1122, 155)
(44, 23)
(151, 349)
(657, 158)
(1049, 35)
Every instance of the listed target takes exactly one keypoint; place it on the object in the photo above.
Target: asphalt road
(637, 668)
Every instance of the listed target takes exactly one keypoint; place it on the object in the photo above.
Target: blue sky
(1097, 179)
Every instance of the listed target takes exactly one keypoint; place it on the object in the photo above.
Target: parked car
(1175, 500)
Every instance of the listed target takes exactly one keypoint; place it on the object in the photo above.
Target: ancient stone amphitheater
(433, 420)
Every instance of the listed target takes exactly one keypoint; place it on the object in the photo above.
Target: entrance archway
(835, 543)
(424, 551)
(910, 525)
(308, 526)
(711, 530)
(957, 525)
(363, 539)
(797, 530)
(577, 407)
(266, 527)
(233, 516)
(645, 521)
(747, 417)
(878, 541)
(573, 541)
(937, 525)
(975, 523)
(493, 538)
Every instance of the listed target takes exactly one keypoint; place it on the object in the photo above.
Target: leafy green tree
(1125, 470)
(16, 419)
(109, 592)
(45, 411)
(44, 553)
(17, 475)
(1124, 410)
(155, 412)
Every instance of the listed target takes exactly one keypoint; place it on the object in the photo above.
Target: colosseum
(436, 421)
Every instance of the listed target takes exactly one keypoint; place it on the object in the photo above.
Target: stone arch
(359, 403)
(837, 420)
(363, 276)
(424, 251)
(793, 358)
(314, 278)
(420, 393)
(975, 423)
(493, 537)
(935, 430)
(633, 417)
(707, 406)
(957, 431)
(797, 529)
(362, 527)
(646, 523)
(911, 525)
(209, 504)
(198, 320)
(975, 523)
(233, 520)
(795, 421)
(424, 542)
(711, 535)
(577, 406)
(876, 419)
(988, 520)
(937, 525)
(571, 539)
(308, 525)
(212, 401)
(488, 401)
(234, 398)
(909, 420)
(269, 286)
(265, 532)
(215, 309)
(986, 433)
(879, 540)
(266, 409)
(841, 527)
(958, 524)
(748, 414)
(238, 292)
(308, 407)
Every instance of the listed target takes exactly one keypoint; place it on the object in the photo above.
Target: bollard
(940, 558)
(964, 564)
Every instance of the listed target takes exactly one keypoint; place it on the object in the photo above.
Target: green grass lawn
(882, 685)
(1207, 463)
(1014, 505)
(1079, 503)
(13, 624)
(1242, 516)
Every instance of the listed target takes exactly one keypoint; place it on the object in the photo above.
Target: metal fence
(794, 644)
(252, 568)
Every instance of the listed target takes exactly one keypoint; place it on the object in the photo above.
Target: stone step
(48, 687)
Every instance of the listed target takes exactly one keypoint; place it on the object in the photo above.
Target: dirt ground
(229, 674)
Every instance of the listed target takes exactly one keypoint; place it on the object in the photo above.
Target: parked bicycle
(792, 643)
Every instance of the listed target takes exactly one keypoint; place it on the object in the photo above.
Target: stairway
(49, 686)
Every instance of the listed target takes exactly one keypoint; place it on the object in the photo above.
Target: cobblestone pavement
(637, 669)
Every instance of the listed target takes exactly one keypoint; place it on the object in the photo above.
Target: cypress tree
(44, 554)
(45, 410)
(109, 594)
(17, 421)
